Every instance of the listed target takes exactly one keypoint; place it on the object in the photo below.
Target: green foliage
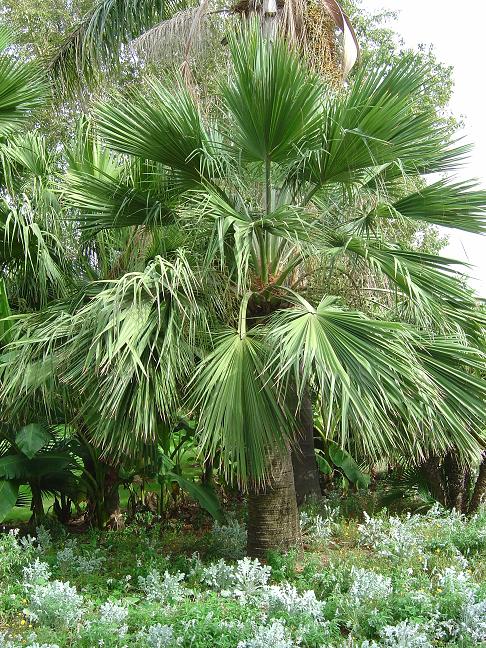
(4, 313)
(415, 582)
(202, 255)
(34, 457)
(206, 498)
(240, 416)
(100, 34)
(344, 461)
(273, 99)
(21, 88)
(31, 438)
(9, 492)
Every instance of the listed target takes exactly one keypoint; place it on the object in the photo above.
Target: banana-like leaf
(205, 496)
(323, 464)
(13, 466)
(343, 460)
(8, 496)
(32, 438)
(20, 467)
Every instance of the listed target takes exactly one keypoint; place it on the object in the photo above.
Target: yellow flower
(23, 622)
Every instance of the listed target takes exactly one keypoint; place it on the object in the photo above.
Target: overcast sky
(457, 32)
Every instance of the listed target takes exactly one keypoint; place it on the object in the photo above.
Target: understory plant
(339, 595)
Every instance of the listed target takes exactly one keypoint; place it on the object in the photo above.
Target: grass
(415, 581)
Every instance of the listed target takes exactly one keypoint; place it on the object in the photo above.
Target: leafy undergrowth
(386, 581)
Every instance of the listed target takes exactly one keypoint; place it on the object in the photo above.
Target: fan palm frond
(240, 417)
(22, 89)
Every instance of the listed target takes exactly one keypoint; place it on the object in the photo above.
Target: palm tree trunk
(273, 517)
(479, 493)
(432, 471)
(37, 505)
(306, 474)
(455, 481)
(269, 20)
(112, 510)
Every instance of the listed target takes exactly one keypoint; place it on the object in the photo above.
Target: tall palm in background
(179, 29)
(224, 241)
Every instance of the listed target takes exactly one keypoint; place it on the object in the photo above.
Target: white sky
(457, 33)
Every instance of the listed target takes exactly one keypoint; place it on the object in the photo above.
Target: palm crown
(221, 225)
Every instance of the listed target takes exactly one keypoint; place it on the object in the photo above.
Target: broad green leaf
(13, 467)
(323, 464)
(343, 460)
(20, 467)
(205, 496)
(31, 438)
(8, 496)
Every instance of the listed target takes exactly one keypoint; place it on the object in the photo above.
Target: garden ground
(410, 581)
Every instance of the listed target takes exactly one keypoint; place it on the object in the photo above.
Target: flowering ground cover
(413, 582)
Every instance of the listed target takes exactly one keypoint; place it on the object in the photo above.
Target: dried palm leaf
(350, 42)
(310, 25)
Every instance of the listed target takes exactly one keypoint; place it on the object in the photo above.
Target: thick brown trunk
(467, 490)
(273, 517)
(479, 493)
(37, 505)
(455, 481)
(112, 510)
(306, 474)
(433, 475)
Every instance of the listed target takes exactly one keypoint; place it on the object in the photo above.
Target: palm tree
(152, 28)
(225, 240)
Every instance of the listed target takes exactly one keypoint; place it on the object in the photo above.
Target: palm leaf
(458, 415)
(98, 39)
(272, 97)
(21, 90)
(365, 369)
(164, 127)
(5, 322)
(459, 205)
(240, 418)
(372, 127)
(429, 283)
(106, 202)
